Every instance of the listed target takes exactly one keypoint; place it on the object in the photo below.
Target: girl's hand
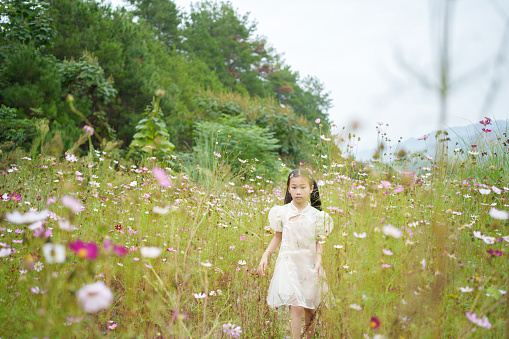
(263, 265)
(318, 268)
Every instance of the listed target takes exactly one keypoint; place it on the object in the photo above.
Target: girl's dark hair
(315, 194)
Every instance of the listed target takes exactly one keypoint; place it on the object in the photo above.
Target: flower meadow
(97, 246)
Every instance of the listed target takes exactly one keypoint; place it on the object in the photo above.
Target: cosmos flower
(484, 322)
(150, 252)
(4, 252)
(484, 191)
(71, 203)
(466, 289)
(160, 210)
(88, 130)
(495, 253)
(317, 121)
(355, 307)
(65, 225)
(26, 218)
(232, 330)
(84, 251)
(95, 297)
(392, 231)
(54, 253)
(497, 214)
(161, 177)
(200, 295)
(360, 235)
(387, 252)
(375, 323)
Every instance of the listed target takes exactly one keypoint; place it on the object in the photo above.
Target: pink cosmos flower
(387, 252)
(386, 266)
(242, 237)
(89, 130)
(71, 203)
(41, 233)
(484, 322)
(88, 251)
(161, 177)
(399, 189)
(317, 121)
(118, 250)
(51, 200)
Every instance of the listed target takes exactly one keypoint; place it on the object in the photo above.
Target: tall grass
(211, 230)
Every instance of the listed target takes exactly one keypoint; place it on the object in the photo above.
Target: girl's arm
(318, 264)
(274, 243)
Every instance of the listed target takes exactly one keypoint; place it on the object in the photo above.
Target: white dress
(295, 281)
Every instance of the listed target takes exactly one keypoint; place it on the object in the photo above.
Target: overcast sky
(351, 46)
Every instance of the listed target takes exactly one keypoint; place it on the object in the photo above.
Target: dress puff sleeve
(275, 218)
(324, 225)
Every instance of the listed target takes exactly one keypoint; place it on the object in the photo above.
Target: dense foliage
(113, 60)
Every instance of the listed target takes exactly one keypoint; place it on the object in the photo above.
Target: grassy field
(413, 253)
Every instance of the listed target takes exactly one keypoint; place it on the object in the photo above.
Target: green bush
(18, 131)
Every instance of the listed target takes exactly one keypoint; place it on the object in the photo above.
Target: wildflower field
(100, 246)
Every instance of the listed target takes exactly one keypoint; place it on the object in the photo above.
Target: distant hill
(463, 135)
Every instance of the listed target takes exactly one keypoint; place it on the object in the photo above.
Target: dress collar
(295, 210)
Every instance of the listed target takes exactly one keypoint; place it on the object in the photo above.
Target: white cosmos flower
(488, 240)
(484, 191)
(359, 235)
(36, 225)
(150, 252)
(242, 262)
(206, 264)
(355, 307)
(506, 238)
(27, 218)
(95, 297)
(5, 252)
(466, 289)
(133, 183)
(65, 225)
(160, 210)
(500, 215)
(478, 234)
(496, 190)
(54, 253)
(387, 252)
(392, 231)
(338, 246)
(200, 295)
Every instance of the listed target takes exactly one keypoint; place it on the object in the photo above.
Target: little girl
(298, 275)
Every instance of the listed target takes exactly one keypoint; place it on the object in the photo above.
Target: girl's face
(300, 189)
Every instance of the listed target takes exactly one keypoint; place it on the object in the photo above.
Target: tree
(224, 40)
(162, 15)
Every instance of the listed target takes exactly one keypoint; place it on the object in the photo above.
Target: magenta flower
(161, 177)
(242, 237)
(495, 253)
(84, 251)
(15, 197)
